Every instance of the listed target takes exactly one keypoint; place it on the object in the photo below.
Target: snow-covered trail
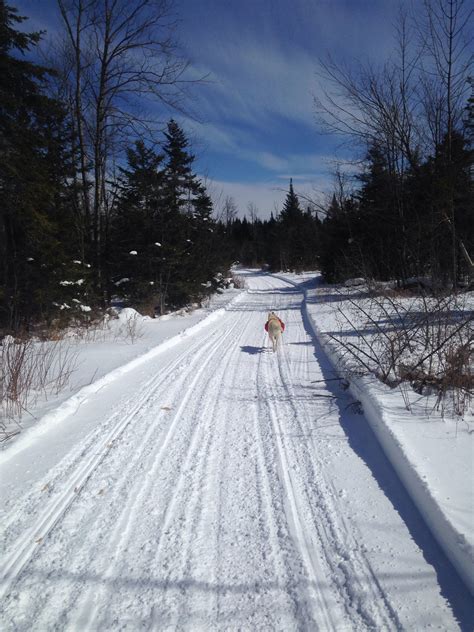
(235, 489)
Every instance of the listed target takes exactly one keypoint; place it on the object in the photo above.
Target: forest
(100, 203)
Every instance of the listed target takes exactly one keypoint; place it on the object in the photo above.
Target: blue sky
(255, 124)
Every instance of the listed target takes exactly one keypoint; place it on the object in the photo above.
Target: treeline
(95, 201)
(98, 201)
(410, 212)
(388, 226)
(405, 209)
(400, 227)
(291, 241)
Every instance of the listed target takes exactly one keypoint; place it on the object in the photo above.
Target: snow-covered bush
(130, 325)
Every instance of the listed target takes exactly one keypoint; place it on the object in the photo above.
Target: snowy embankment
(432, 455)
(104, 354)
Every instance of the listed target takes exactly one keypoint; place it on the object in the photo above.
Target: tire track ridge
(272, 510)
(29, 542)
(356, 558)
(195, 503)
(121, 530)
(293, 515)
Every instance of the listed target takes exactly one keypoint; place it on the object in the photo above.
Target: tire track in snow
(26, 546)
(316, 605)
(322, 611)
(196, 508)
(257, 538)
(250, 564)
(296, 580)
(151, 462)
(360, 583)
(184, 512)
(247, 543)
(92, 444)
(62, 554)
(319, 509)
(124, 531)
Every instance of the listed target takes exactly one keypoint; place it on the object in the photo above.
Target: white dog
(275, 328)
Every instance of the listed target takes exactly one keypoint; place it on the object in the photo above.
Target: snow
(433, 455)
(78, 282)
(354, 282)
(128, 313)
(199, 481)
(103, 349)
(120, 281)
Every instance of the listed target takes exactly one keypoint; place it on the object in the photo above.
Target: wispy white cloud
(262, 59)
(251, 81)
(240, 144)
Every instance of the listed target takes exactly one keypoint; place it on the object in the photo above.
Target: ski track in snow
(224, 495)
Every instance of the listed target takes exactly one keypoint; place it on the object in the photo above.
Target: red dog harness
(281, 323)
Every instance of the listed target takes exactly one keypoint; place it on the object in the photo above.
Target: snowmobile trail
(225, 494)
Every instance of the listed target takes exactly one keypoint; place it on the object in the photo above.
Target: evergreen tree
(336, 239)
(166, 246)
(271, 240)
(37, 228)
(297, 238)
(204, 253)
(180, 190)
(445, 181)
(137, 225)
(291, 208)
(375, 231)
(181, 184)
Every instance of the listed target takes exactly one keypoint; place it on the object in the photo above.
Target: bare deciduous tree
(121, 59)
(407, 109)
(252, 210)
(447, 46)
(229, 210)
(445, 34)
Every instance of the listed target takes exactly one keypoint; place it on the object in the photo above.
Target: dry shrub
(131, 329)
(425, 342)
(238, 281)
(30, 368)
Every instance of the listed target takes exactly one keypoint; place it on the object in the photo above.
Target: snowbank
(101, 362)
(457, 542)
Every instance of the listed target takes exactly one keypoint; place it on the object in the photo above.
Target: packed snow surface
(216, 485)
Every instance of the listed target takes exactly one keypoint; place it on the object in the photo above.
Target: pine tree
(296, 235)
(291, 210)
(35, 211)
(335, 240)
(375, 231)
(166, 244)
(206, 255)
(449, 205)
(181, 184)
(180, 188)
(137, 225)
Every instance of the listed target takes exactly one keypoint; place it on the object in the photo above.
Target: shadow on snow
(365, 444)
